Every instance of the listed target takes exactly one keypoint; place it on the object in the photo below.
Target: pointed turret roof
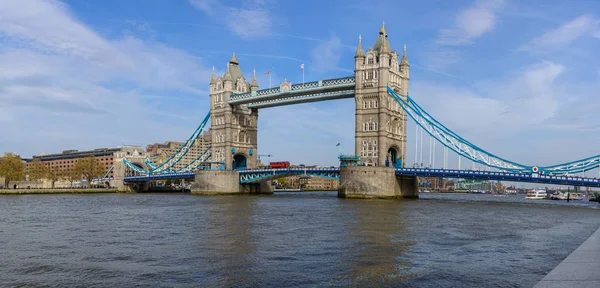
(382, 44)
(227, 75)
(359, 49)
(254, 82)
(404, 60)
(213, 80)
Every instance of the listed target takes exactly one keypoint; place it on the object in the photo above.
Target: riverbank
(54, 191)
(580, 269)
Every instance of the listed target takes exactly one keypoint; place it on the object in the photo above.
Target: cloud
(516, 117)
(514, 105)
(327, 55)
(471, 23)
(564, 35)
(252, 21)
(69, 85)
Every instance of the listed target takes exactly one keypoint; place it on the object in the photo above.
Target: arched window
(364, 104)
(376, 104)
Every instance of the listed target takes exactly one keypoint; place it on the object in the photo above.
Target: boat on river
(566, 195)
(536, 194)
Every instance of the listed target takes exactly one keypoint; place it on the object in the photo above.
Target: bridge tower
(380, 125)
(380, 121)
(233, 128)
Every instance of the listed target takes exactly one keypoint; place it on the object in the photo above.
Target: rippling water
(286, 240)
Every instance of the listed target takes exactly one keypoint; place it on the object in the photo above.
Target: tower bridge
(380, 87)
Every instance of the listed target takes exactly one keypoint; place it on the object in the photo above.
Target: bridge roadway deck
(257, 175)
(580, 269)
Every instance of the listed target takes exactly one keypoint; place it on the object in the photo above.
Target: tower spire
(404, 60)
(212, 77)
(382, 30)
(234, 60)
(227, 73)
(359, 49)
(254, 82)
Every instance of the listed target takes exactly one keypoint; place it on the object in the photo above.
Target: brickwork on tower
(233, 128)
(380, 121)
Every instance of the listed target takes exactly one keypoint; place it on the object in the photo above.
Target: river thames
(286, 240)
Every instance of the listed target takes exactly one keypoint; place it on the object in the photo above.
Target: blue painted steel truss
(501, 176)
(470, 151)
(253, 176)
(165, 176)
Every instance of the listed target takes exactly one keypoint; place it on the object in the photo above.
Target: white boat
(536, 194)
(566, 196)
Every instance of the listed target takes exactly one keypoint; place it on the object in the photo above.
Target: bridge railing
(495, 173)
(315, 85)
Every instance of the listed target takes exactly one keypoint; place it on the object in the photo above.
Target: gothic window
(365, 126)
(370, 60)
(234, 120)
(396, 128)
(364, 104)
(243, 137)
(372, 126)
(377, 59)
(375, 104)
(234, 136)
(370, 104)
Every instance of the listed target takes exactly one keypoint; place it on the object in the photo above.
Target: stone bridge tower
(380, 121)
(233, 128)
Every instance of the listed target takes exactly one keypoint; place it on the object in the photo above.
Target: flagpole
(302, 75)
(270, 79)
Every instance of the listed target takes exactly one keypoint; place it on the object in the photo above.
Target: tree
(12, 168)
(282, 181)
(37, 170)
(89, 168)
(54, 175)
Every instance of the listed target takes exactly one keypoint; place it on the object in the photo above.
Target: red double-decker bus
(280, 164)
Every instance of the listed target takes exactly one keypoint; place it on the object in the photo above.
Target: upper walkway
(287, 94)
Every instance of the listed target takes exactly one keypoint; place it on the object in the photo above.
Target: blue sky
(519, 79)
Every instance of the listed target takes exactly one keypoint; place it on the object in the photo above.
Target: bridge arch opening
(392, 159)
(239, 162)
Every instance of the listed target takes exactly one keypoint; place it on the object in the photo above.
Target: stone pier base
(222, 182)
(366, 182)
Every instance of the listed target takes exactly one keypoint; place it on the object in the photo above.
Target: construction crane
(266, 155)
(260, 155)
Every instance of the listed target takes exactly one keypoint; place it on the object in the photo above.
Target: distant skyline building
(160, 152)
(62, 162)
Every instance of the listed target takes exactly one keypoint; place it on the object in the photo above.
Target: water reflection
(378, 238)
(226, 243)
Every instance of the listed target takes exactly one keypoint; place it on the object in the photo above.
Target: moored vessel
(536, 194)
